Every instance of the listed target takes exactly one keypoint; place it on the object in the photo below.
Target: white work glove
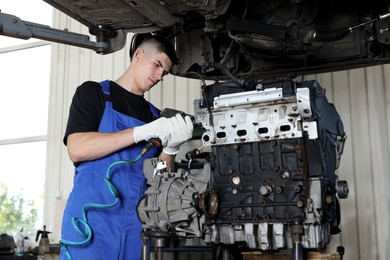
(160, 128)
(181, 132)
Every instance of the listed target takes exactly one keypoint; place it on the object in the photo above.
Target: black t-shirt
(87, 108)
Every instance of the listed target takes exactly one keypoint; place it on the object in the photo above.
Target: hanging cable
(338, 34)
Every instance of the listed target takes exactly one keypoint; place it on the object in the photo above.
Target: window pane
(22, 173)
(36, 11)
(24, 89)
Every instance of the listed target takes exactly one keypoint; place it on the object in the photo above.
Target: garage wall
(361, 97)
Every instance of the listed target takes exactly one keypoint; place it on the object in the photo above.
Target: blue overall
(116, 230)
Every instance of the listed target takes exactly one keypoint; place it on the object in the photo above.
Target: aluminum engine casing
(273, 161)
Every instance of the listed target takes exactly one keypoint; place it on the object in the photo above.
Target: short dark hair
(161, 44)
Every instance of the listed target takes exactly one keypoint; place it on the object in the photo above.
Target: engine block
(269, 181)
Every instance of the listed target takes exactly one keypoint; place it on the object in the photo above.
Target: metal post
(145, 248)
(159, 244)
(296, 233)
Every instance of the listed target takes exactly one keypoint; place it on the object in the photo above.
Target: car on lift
(253, 39)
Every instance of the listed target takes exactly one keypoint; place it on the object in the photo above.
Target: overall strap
(107, 97)
(154, 111)
(106, 92)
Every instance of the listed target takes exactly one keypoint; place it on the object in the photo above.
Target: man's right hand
(160, 128)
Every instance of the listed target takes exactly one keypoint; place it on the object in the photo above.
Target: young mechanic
(111, 122)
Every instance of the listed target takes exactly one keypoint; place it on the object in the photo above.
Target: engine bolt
(298, 188)
(329, 199)
(236, 180)
(265, 190)
(285, 175)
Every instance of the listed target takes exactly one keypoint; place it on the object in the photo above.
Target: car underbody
(253, 39)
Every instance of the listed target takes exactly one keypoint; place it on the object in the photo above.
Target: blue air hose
(87, 232)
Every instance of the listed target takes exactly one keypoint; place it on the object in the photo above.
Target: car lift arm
(107, 40)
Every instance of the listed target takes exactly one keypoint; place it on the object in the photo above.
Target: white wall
(361, 97)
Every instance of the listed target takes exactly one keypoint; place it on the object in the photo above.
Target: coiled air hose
(83, 221)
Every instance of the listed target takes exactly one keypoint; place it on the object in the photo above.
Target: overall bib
(116, 231)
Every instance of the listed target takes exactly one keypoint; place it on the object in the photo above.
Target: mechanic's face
(152, 66)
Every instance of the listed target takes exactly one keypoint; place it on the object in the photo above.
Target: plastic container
(20, 244)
